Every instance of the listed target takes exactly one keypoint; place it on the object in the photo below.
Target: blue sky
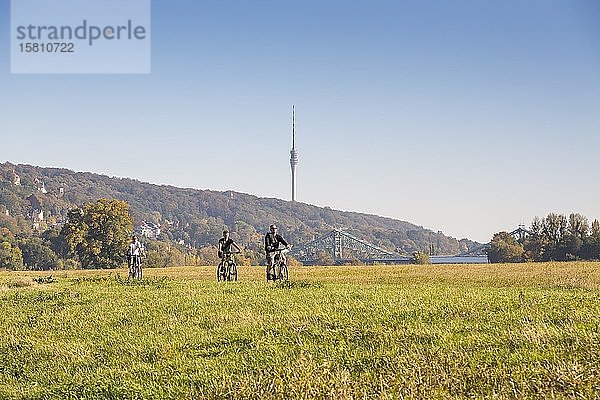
(463, 116)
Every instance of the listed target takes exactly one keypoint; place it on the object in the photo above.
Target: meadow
(431, 332)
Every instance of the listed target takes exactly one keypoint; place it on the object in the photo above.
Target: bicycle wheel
(136, 268)
(283, 272)
(276, 269)
(227, 271)
(233, 274)
(220, 272)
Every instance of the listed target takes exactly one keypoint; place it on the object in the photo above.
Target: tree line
(556, 237)
(96, 236)
(196, 217)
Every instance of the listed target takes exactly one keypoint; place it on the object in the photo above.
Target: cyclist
(225, 246)
(135, 251)
(272, 242)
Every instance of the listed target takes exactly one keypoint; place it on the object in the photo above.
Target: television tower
(293, 154)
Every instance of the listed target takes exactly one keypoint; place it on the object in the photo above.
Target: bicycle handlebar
(284, 249)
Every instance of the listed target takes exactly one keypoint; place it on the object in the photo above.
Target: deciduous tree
(98, 233)
(504, 248)
(11, 256)
(420, 258)
(38, 255)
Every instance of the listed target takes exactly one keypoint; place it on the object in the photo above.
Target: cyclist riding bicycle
(135, 252)
(226, 244)
(272, 242)
(227, 269)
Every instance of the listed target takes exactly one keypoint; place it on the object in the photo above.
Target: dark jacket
(272, 243)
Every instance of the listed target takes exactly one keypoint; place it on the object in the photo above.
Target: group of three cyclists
(274, 243)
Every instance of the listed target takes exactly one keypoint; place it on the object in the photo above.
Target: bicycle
(279, 268)
(135, 267)
(227, 268)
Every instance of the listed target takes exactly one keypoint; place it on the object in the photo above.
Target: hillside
(196, 217)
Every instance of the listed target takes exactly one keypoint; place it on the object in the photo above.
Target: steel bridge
(345, 248)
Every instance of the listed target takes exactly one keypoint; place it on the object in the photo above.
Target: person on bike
(227, 270)
(226, 245)
(272, 242)
(135, 251)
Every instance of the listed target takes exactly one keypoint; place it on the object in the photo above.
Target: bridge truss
(343, 248)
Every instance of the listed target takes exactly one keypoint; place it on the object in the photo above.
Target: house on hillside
(37, 217)
(149, 230)
(41, 187)
(15, 179)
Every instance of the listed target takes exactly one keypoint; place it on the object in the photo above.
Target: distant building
(41, 187)
(37, 217)
(150, 230)
(16, 180)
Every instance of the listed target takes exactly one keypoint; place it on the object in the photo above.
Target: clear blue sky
(463, 116)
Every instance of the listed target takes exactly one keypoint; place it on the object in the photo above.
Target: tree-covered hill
(196, 217)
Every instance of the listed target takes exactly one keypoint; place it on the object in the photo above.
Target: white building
(150, 230)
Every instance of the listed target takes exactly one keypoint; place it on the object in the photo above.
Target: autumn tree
(504, 248)
(578, 226)
(98, 233)
(535, 242)
(37, 254)
(591, 244)
(11, 256)
(555, 227)
(558, 238)
(162, 255)
(324, 258)
(208, 255)
(420, 258)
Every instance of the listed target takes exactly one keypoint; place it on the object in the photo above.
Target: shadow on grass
(45, 280)
(297, 285)
(154, 282)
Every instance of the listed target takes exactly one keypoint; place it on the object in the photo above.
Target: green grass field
(476, 331)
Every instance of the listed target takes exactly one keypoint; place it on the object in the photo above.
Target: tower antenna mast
(293, 154)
